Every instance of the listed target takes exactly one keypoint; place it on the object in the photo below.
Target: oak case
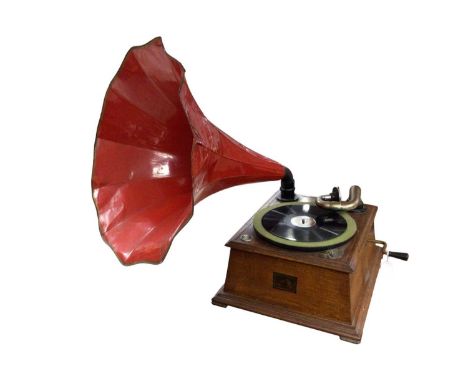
(329, 290)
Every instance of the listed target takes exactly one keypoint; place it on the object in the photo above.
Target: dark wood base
(347, 332)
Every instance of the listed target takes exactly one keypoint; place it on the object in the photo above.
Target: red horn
(156, 156)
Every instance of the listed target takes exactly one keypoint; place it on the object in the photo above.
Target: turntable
(312, 261)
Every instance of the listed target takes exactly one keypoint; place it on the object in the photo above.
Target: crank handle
(397, 255)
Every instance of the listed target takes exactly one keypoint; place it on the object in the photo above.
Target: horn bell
(156, 155)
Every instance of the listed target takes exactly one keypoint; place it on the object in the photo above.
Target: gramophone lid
(156, 155)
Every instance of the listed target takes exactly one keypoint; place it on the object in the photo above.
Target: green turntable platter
(304, 226)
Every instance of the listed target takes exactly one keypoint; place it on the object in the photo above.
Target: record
(304, 226)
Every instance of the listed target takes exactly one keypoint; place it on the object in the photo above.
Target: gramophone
(308, 260)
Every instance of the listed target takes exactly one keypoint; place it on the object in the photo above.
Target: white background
(369, 93)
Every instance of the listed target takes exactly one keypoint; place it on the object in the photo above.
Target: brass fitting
(354, 201)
